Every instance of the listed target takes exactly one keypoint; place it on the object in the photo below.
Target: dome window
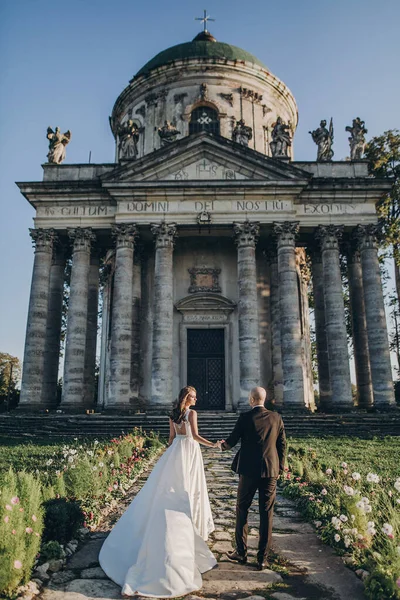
(204, 118)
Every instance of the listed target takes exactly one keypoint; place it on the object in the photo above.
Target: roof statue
(167, 133)
(57, 143)
(281, 139)
(324, 140)
(242, 134)
(128, 133)
(357, 138)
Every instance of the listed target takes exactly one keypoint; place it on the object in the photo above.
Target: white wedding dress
(158, 547)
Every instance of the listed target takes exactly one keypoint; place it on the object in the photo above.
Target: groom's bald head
(258, 395)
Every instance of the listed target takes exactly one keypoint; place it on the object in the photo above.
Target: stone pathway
(302, 568)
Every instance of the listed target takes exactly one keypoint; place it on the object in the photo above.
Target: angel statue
(357, 138)
(324, 140)
(57, 143)
(128, 134)
(280, 138)
(242, 133)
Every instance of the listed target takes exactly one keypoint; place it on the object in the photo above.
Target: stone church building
(198, 246)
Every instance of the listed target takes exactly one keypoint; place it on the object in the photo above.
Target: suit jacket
(263, 443)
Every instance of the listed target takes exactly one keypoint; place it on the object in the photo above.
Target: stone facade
(201, 250)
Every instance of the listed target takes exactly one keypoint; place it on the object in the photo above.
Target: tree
(10, 374)
(383, 155)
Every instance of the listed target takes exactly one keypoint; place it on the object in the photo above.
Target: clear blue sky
(64, 64)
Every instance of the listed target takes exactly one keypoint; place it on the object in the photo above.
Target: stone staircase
(212, 425)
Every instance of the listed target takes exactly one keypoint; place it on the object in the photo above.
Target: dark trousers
(266, 499)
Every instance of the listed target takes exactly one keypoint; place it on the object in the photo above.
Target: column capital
(43, 239)
(164, 234)
(246, 234)
(124, 235)
(329, 236)
(82, 238)
(286, 232)
(367, 236)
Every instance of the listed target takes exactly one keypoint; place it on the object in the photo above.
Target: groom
(259, 463)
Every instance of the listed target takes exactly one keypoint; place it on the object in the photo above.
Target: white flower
(387, 528)
(356, 476)
(336, 522)
(111, 465)
(344, 465)
(365, 500)
(73, 466)
(348, 490)
(371, 524)
(367, 508)
(354, 531)
(49, 462)
(343, 518)
(328, 471)
(96, 442)
(347, 541)
(373, 478)
(371, 530)
(353, 517)
(101, 464)
(324, 492)
(90, 452)
(398, 500)
(360, 536)
(397, 484)
(94, 468)
(346, 531)
(317, 523)
(337, 537)
(109, 452)
(58, 472)
(70, 459)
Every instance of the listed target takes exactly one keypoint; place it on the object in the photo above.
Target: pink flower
(29, 530)
(8, 507)
(398, 582)
(324, 492)
(17, 564)
(34, 518)
(15, 500)
(21, 510)
(6, 519)
(13, 532)
(37, 534)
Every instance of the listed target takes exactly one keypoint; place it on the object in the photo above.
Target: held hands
(218, 444)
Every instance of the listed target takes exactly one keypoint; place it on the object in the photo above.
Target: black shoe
(260, 566)
(236, 557)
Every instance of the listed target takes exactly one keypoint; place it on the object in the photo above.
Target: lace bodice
(183, 428)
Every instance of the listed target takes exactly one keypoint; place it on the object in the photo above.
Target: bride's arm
(195, 431)
(172, 432)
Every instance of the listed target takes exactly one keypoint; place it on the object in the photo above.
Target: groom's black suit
(258, 462)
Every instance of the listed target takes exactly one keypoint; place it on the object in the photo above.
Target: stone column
(359, 326)
(53, 330)
(161, 367)
(75, 341)
(324, 381)
(277, 370)
(34, 354)
(379, 354)
(293, 393)
(91, 333)
(121, 319)
(136, 309)
(336, 333)
(246, 235)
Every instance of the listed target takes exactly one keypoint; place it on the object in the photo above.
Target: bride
(158, 547)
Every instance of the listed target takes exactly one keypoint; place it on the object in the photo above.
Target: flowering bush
(356, 511)
(69, 485)
(21, 526)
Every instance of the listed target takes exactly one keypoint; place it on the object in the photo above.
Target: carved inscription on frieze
(75, 211)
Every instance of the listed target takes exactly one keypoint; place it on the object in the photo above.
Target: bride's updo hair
(179, 409)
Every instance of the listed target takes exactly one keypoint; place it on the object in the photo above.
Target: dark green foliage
(62, 519)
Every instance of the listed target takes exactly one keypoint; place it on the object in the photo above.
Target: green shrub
(62, 520)
(51, 550)
(21, 526)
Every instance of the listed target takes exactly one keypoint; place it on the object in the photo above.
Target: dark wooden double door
(206, 367)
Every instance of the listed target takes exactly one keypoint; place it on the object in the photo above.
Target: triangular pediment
(204, 157)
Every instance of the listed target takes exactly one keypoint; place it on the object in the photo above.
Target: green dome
(203, 46)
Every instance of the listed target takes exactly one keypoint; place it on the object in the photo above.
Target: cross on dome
(204, 20)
